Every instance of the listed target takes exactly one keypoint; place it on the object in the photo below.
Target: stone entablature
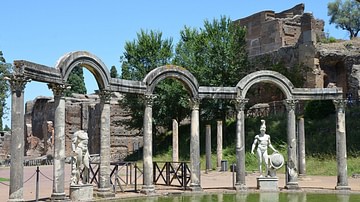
(268, 31)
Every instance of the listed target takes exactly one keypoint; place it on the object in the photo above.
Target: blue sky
(42, 31)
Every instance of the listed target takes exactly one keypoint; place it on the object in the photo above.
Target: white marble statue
(80, 158)
(262, 141)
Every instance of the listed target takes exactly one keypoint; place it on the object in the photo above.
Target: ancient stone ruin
(293, 38)
(82, 112)
(4, 147)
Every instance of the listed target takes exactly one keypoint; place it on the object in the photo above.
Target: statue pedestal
(81, 192)
(267, 183)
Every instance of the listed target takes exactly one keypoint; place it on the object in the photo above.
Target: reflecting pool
(252, 197)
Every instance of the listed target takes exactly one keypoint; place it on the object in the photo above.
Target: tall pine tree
(76, 81)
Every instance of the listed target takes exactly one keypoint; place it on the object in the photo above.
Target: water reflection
(253, 197)
(343, 197)
(269, 197)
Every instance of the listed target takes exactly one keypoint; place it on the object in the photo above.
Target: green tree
(113, 72)
(4, 87)
(345, 15)
(216, 55)
(141, 56)
(76, 81)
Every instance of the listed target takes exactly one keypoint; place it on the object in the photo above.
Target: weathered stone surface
(268, 31)
(5, 137)
(83, 113)
(292, 38)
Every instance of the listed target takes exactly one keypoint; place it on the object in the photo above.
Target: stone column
(219, 140)
(292, 170)
(148, 186)
(301, 151)
(58, 192)
(208, 147)
(175, 129)
(104, 173)
(195, 146)
(240, 144)
(16, 192)
(341, 156)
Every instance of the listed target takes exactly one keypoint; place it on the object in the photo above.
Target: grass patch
(315, 165)
(4, 179)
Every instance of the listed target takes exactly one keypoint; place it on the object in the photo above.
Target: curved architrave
(85, 59)
(266, 76)
(172, 71)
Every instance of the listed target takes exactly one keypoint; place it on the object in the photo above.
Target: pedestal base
(267, 183)
(81, 192)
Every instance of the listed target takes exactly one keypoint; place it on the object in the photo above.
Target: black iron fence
(171, 173)
(123, 175)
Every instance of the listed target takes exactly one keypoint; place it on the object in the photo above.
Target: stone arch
(70, 60)
(268, 76)
(172, 71)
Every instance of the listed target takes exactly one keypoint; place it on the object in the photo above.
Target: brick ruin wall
(82, 113)
(268, 31)
(293, 38)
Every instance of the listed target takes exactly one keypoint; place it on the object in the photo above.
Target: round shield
(276, 160)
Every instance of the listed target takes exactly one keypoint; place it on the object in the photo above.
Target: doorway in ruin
(334, 73)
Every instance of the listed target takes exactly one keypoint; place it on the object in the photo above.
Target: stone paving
(212, 181)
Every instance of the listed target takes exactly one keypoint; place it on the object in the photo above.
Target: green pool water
(252, 197)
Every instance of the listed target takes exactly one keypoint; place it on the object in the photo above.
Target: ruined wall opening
(335, 73)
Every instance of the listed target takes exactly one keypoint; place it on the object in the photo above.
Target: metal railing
(122, 174)
(171, 173)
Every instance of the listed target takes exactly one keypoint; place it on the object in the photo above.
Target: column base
(59, 197)
(240, 187)
(195, 188)
(104, 193)
(342, 187)
(148, 190)
(292, 186)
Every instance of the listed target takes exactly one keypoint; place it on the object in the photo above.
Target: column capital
(240, 103)
(57, 89)
(105, 96)
(149, 99)
(194, 103)
(290, 104)
(17, 83)
(340, 104)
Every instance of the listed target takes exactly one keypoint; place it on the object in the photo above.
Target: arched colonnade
(56, 78)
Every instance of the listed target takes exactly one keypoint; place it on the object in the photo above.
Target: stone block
(81, 192)
(267, 183)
